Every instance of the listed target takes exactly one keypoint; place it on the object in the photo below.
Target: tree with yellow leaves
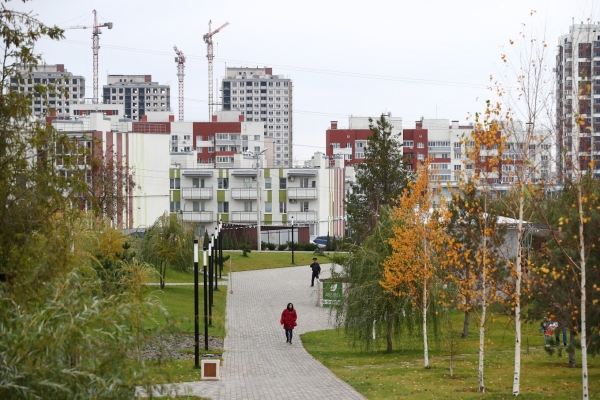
(477, 270)
(418, 244)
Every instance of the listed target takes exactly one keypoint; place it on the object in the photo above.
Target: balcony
(303, 216)
(197, 216)
(191, 193)
(243, 216)
(244, 193)
(302, 193)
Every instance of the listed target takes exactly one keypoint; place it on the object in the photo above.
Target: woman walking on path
(288, 320)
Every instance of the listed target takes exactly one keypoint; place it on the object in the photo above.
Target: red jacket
(288, 319)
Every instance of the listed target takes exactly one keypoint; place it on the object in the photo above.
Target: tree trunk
(571, 351)
(465, 331)
(517, 298)
(582, 331)
(424, 311)
(390, 327)
(482, 344)
(162, 272)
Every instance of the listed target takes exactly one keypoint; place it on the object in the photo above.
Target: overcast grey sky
(413, 58)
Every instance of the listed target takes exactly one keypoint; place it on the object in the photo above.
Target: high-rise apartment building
(59, 101)
(138, 93)
(578, 95)
(263, 97)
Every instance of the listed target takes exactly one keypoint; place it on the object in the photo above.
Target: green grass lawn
(378, 375)
(254, 261)
(179, 302)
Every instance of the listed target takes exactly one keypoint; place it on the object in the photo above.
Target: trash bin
(211, 370)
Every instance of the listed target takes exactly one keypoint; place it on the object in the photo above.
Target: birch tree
(412, 270)
(517, 119)
(477, 268)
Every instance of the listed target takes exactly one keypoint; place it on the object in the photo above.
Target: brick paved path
(258, 363)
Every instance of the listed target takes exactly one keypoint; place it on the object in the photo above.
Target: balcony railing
(243, 216)
(244, 193)
(192, 193)
(302, 193)
(197, 216)
(303, 216)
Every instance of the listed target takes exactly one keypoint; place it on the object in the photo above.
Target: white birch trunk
(582, 261)
(517, 298)
(482, 346)
(424, 311)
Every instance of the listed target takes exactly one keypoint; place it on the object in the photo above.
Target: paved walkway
(258, 363)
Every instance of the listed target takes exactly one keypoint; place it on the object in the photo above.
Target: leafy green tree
(36, 196)
(168, 242)
(380, 179)
(573, 219)
(370, 315)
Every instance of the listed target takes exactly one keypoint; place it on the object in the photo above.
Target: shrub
(271, 246)
(282, 247)
(245, 250)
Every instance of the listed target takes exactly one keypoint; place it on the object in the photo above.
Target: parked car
(321, 241)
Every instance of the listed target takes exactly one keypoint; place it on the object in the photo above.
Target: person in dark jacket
(288, 320)
(316, 270)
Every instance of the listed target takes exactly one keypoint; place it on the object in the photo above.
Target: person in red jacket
(288, 320)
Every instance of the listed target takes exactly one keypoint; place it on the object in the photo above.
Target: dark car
(321, 241)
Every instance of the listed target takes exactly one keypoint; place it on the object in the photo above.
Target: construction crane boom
(210, 55)
(180, 60)
(95, 46)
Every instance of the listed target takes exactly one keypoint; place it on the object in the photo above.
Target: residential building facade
(138, 94)
(145, 155)
(578, 95)
(72, 89)
(265, 98)
(350, 143)
(312, 196)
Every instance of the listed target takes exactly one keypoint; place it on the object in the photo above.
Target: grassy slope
(179, 302)
(254, 261)
(401, 374)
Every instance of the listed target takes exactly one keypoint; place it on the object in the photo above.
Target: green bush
(282, 247)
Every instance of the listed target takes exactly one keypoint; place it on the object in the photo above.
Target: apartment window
(335, 145)
(223, 183)
(268, 207)
(421, 157)
(267, 183)
(175, 206)
(248, 206)
(303, 182)
(408, 143)
(304, 206)
(211, 149)
(175, 183)
(198, 206)
(222, 207)
(457, 167)
(198, 182)
(348, 145)
(282, 207)
(282, 183)
(420, 145)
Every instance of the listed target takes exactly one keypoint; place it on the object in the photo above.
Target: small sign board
(332, 293)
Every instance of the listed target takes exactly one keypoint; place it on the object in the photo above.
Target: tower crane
(209, 54)
(180, 60)
(95, 46)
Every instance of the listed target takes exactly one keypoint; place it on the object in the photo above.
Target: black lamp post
(210, 279)
(196, 309)
(215, 255)
(205, 302)
(221, 249)
(292, 240)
